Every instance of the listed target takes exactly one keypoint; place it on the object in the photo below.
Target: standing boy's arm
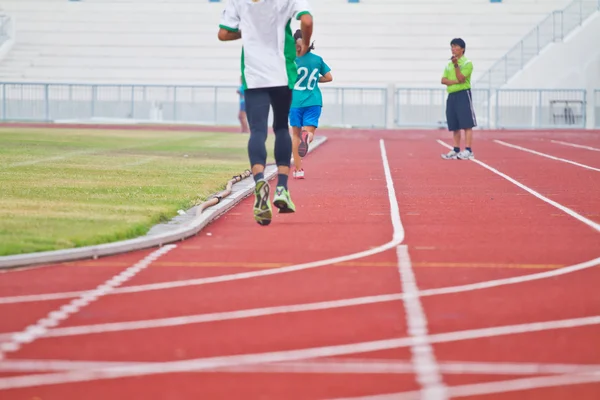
(446, 81)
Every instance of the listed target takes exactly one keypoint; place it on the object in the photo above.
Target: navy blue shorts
(305, 116)
(460, 113)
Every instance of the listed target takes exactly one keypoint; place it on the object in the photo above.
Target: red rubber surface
(463, 225)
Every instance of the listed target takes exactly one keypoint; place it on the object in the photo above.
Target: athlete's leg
(296, 123)
(281, 100)
(310, 123)
(296, 132)
(243, 118)
(257, 111)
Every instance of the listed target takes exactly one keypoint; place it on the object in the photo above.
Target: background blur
(537, 62)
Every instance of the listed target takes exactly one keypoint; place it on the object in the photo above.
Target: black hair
(298, 36)
(458, 42)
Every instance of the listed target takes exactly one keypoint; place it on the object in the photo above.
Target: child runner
(242, 114)
(307, 101)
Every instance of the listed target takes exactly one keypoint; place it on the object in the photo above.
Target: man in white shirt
(268, 77)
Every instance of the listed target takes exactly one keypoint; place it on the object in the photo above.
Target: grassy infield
(69, 188)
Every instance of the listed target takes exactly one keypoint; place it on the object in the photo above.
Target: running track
(401, 276)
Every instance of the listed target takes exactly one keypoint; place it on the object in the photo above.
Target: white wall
(572, 64)
(377, 42)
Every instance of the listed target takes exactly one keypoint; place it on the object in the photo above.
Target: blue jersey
(241, 92)
(306, 90)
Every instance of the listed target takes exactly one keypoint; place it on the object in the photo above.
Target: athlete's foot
(298, 173)
(262, 205)
(283, 201)
(303, 146)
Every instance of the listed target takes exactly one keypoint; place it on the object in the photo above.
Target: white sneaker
(465, 155)
(298, 174)
(451, 155)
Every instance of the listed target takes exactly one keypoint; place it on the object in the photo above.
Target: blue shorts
(305, 116)
(243, 106)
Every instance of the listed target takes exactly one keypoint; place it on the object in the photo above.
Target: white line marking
(536, 194)
(324, 305)
(324, 366)
(496, 387)
(423, 358)
(394, 208)
(579, 146)
(40, 328)
(398, 237)
(547, 155)
(56, 365)
(218, 316)
(203, 364)
(54, 158)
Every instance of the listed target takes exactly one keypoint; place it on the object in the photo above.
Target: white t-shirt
(269, 49)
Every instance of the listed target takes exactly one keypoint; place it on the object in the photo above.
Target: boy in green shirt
(460, 113)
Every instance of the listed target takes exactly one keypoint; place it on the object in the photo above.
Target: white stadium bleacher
(377, 42)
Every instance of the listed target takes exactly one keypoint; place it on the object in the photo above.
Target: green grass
(70, 188)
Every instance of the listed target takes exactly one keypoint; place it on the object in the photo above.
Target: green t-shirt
(306, 90)
(466, 68)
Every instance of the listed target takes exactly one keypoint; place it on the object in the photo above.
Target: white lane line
(547, 155)
(514, 385)
(325, 366)
(427, 370)
(564, 209)
(579, 146)
(57, 365)
(218, 316)
(203, 364)
(323, 305)
(40, 328)
(397, 238)
(394, 207)
(423, 358)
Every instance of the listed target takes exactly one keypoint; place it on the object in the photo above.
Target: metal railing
(597, 108)
(210, 105)
(540, 108)
(5, 29)
(553, 28)
(426, 108)
(366, 107)
(500, 108)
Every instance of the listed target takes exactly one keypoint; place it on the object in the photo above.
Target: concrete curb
(178, 229)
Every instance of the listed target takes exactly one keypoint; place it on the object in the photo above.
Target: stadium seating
(373, 42)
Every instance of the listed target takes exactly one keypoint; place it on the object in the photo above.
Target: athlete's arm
(326, 78)
(300, 10)
(229, 28)
(306, 27)
(225, 35)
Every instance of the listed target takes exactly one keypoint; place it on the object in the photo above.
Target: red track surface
(462, 225)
